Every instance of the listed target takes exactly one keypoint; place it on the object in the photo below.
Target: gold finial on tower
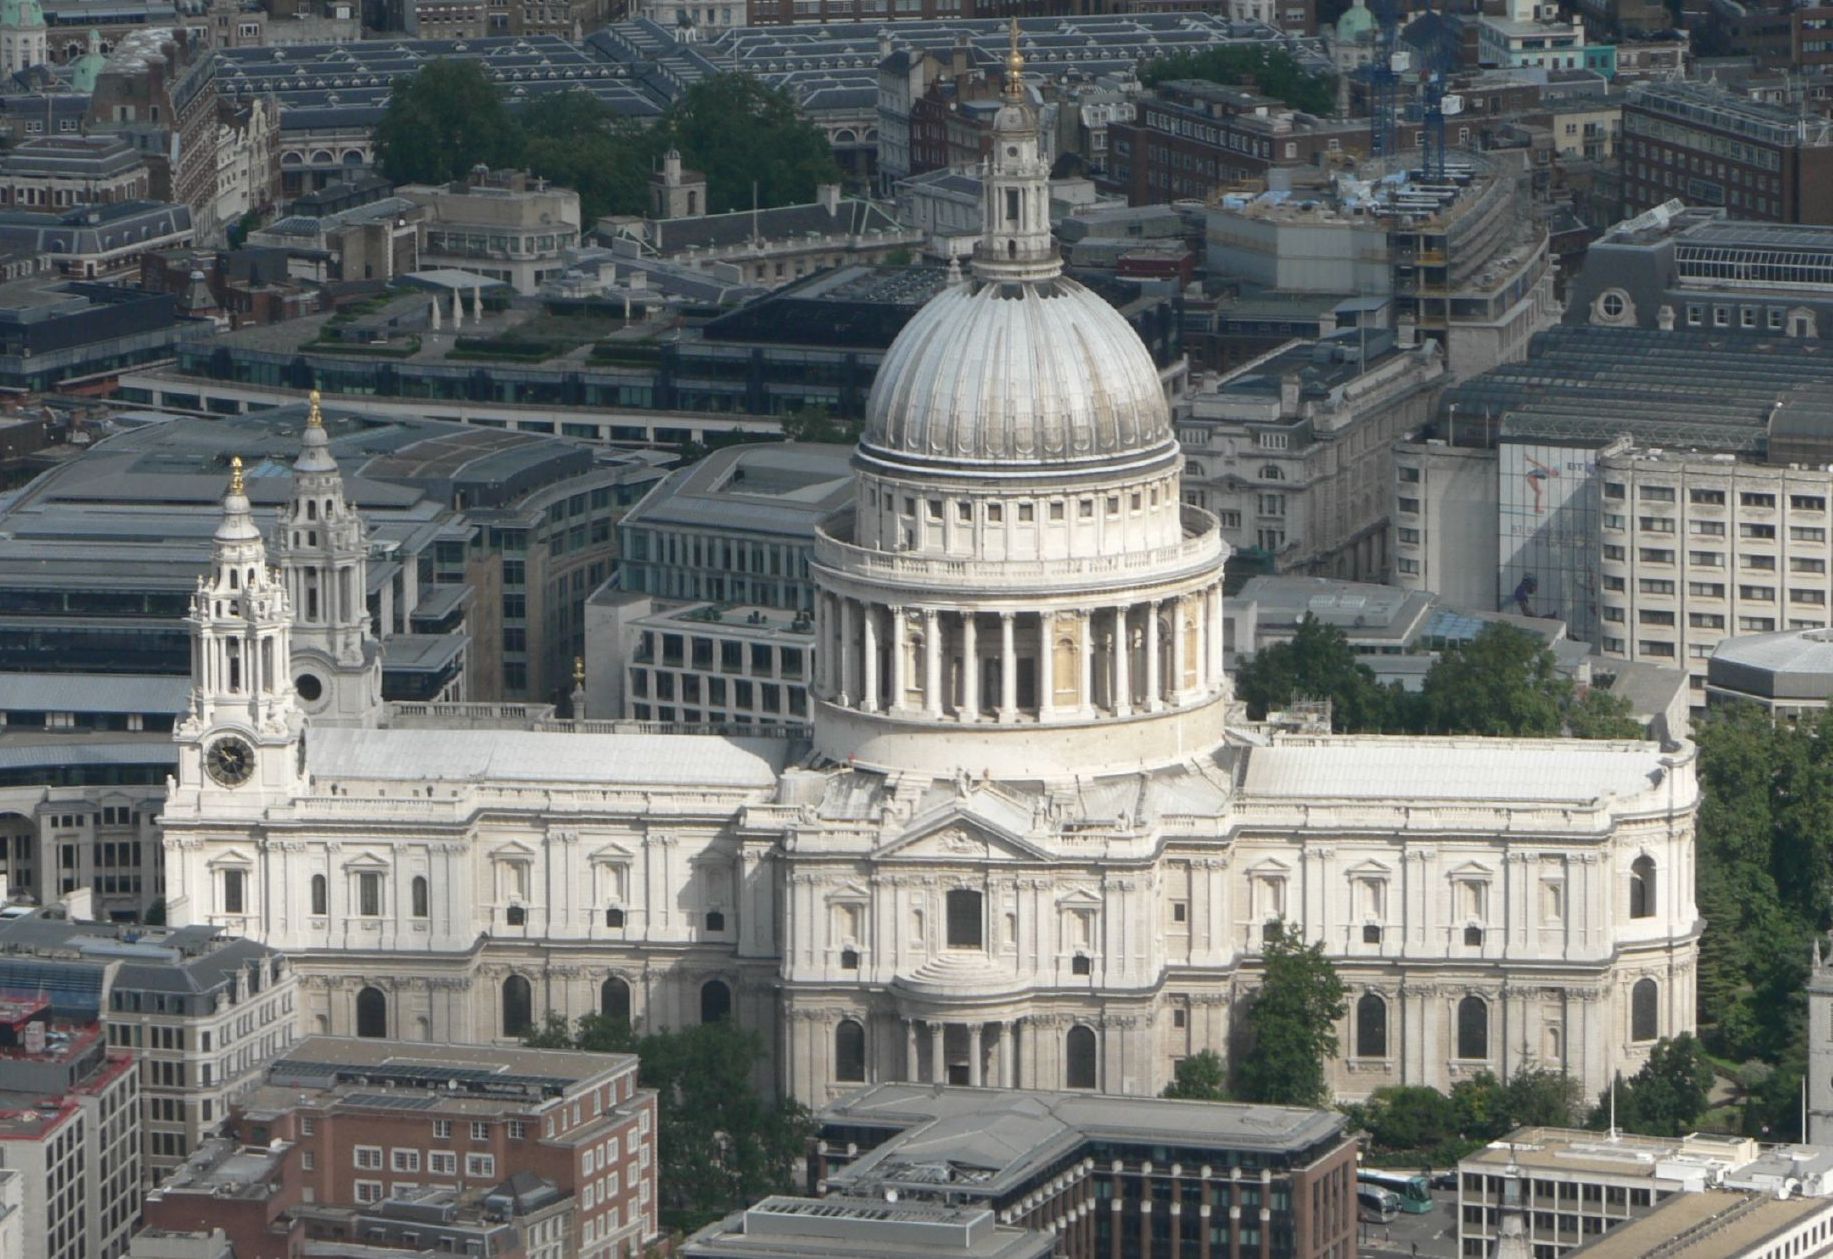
(1015, 67)
(235, 475)
(314, 418)
(579, 670)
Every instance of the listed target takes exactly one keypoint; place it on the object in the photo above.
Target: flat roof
(1710, 1224)
(990, 1140)
(1500, 772)
(780, 488)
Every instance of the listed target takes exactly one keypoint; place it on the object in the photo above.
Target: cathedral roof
(1502, 772)
(997, 373)
(512, 756)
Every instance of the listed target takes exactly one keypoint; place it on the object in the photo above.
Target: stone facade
(1026, 845)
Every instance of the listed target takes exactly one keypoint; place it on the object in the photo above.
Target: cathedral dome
(994, 372)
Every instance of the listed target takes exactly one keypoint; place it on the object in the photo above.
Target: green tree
(1409, 1117)
(441, 121)
(1597, 714)
(1316, 663)
(1291, 1024)
(746, 135)
(574, 140)
(1202, 1077)
(1666, 1097)
(1502, 682)
(1272, 71)
(1542, 1099)
(719, 1144)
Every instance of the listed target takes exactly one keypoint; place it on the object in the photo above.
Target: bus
(1414, 1193)
(1375, 1205)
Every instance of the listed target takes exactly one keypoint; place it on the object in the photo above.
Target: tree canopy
(1271, 71)
(719, 1144)
(443, 120)
(1666, 1097)
(449, 117)
(1502, 682)
(1763, 855)
(1291, 1024)
(1202, 1077)
(1426, 1125)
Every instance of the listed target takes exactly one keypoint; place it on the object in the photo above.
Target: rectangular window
(369, 894)
(480, 1166)
(442, 1162)
(367, 1158)
(404, 1160)
(368, 1191)
(1656, 493)
(234, 893)
(1749, 499)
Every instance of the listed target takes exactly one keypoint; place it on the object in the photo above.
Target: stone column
(900, 668)
(1086, 645)
(818, 663)
(849, 660)
(1153, 703)
(970, 668)
(938, 1070)
(1008, 1054)
(1177, 650)
(1008, 670)
(911, 1063)
(932, 662)
(1216, 650)
(1123, 684)
(869, 657)
(975, 1067)
(1046, 664)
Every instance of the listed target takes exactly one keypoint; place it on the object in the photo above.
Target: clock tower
(324, 560)
(241, 741)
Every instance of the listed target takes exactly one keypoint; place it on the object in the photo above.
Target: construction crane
(1384, 71)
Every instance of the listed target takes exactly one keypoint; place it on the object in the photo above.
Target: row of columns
(1003, 1042)
(1176, 644)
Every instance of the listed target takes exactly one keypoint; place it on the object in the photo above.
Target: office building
(55, 172)
(69, 1114)
(1462, 261)
(62, 334)
(1706, 145)
(505, 225)
(1592, 1192)
(1789, 673)
(1133, 1177)
(1678, 267)
(1294, 451)
(201, 1013)
(480, 1150)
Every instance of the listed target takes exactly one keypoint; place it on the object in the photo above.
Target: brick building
(1194, 137)
(1707, 146)
(349, 1138)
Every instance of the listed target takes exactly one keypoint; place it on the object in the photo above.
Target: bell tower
(243, 734)
(324, 560)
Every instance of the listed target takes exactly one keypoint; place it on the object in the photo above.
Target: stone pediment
(958, 835)
(611, 853)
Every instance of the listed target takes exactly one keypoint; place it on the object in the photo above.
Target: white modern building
(1025, 843)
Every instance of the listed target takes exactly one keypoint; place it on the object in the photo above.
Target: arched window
(1645, 1010)
(1371, 1026)
(964, 919)
(850, 1053)
(1079, 1058)
(1642, 888)
(518, 1006)
(421, 898)
(320, 895)
(1473, 1028)
(614, 1000)
(372, 1013)
(715, 1001)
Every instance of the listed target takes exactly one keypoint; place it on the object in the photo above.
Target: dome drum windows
(1019, 666)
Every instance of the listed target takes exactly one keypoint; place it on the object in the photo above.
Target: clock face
(230, 761)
